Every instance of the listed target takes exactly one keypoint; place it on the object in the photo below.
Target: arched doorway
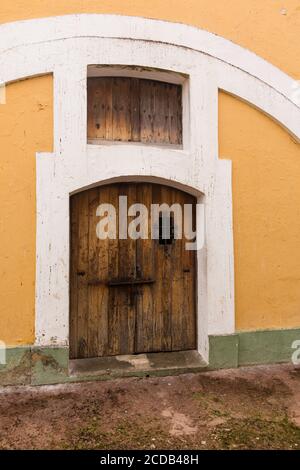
(132, 294)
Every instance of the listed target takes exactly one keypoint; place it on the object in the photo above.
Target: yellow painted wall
(266, 161)
(25, 128)
(266, 216)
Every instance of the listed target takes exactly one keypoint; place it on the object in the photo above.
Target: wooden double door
(130, 296)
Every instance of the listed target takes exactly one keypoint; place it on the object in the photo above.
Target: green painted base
(252, 348)
(31, 365)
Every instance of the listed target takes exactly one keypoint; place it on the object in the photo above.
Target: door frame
(76, 166)
(211, 267)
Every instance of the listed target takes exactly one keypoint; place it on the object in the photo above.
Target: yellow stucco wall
(25, 128)
(266, 216)
(266, 161)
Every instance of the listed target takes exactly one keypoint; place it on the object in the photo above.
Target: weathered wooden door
(130, 295)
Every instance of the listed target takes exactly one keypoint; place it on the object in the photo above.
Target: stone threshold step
(138, 364)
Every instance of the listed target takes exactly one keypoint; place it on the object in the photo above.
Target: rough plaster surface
(58, 175)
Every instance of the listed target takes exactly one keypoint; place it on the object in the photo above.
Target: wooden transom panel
(134, 110)
(129, 296)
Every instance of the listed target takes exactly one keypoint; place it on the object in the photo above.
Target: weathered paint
(39, 366)
(17, 370)
(74, 166)
(49, 365)
(252, 348)
(71, 167)
(259, 149)
(264, 158)
(30, 365)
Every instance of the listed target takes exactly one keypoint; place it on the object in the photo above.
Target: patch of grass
(126, 434)
(255, 433)
(235, 433)
(206, 397)
(212, 404)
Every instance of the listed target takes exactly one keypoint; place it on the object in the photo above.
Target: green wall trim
(17, 369)
(267, 347)
(32, 365)
(49, 365)
(223, 351)
(252, 347)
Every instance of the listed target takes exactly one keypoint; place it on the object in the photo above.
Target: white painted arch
(66, 46)
(31, 40)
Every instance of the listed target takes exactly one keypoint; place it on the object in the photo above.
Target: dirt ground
(247, 408)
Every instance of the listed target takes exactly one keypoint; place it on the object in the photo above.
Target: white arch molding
(65, 46)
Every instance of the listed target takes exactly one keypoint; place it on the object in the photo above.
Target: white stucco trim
(66, 46)
(58, 28)
(29, 39)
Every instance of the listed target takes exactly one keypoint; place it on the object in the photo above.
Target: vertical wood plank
(147, 111)
(135, 110)
(96, 99)
(121, 109)
(127, 271)
(177, 293)
(183, 306)
(93, 271)
(162, 338)
(145, 331)
(113, 271)
(121, 311)
(74, 220)
(161, 114)
(83, 266)
(189, 285)
(102, 252)
(174, 94)
(166, 252)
